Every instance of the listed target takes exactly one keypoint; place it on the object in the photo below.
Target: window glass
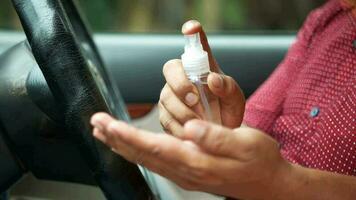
(8, 17)
(168, 15)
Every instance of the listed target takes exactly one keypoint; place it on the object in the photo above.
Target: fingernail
(191, 99)
(99, 135)
(96, 123)
(114, 150)
(198, 128)
(218, 81)
(100, 127)
(190, 25)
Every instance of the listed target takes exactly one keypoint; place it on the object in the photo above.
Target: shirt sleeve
(266, 104)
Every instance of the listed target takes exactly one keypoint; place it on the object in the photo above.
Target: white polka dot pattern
(309, 103)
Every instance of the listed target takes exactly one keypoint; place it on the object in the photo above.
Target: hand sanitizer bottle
(196, 65)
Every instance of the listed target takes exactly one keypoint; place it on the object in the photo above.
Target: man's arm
(305, 183)
(242, 163)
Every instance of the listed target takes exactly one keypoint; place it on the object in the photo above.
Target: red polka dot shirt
(309, 102)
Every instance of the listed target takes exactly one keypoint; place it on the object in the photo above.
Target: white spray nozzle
(195, 59)
(192, 42)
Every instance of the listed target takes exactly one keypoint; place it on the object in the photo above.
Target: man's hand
(242, 163)
(179, 97)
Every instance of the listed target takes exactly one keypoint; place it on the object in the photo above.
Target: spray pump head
(195, 60)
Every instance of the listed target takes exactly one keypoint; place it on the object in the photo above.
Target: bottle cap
(195, 60)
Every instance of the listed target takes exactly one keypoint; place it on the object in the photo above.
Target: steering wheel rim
(73, 69)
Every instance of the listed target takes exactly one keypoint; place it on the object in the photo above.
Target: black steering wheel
(72, 85)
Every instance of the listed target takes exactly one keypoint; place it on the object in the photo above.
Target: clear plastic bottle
(196, 65)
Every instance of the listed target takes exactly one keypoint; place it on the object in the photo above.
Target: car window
(167, 16)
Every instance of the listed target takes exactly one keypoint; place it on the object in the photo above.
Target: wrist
(290, 181)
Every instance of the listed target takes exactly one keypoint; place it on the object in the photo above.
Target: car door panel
(135, 61)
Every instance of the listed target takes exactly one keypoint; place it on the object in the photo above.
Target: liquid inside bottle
(208, 107)
(196, 66)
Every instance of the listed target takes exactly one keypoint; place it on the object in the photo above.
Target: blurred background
(163, 17)
(167, 16)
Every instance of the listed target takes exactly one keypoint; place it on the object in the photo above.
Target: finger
(162, 146)
(192, 27)
(117, 146)
(103, 120)
(100, 120)
(139, 140)
(187, 163)
(158, 145)
(212, 138)
(177, 173)
(97, 133)
(179, 83)
(169, 124)
(171, 174)
(232, 100)
(169, 170)
(188, 160)
(177, 109)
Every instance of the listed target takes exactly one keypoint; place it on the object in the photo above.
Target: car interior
(63, 60)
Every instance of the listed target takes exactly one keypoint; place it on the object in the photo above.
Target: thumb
(232, 100)
(192, 27)
(212, 138)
